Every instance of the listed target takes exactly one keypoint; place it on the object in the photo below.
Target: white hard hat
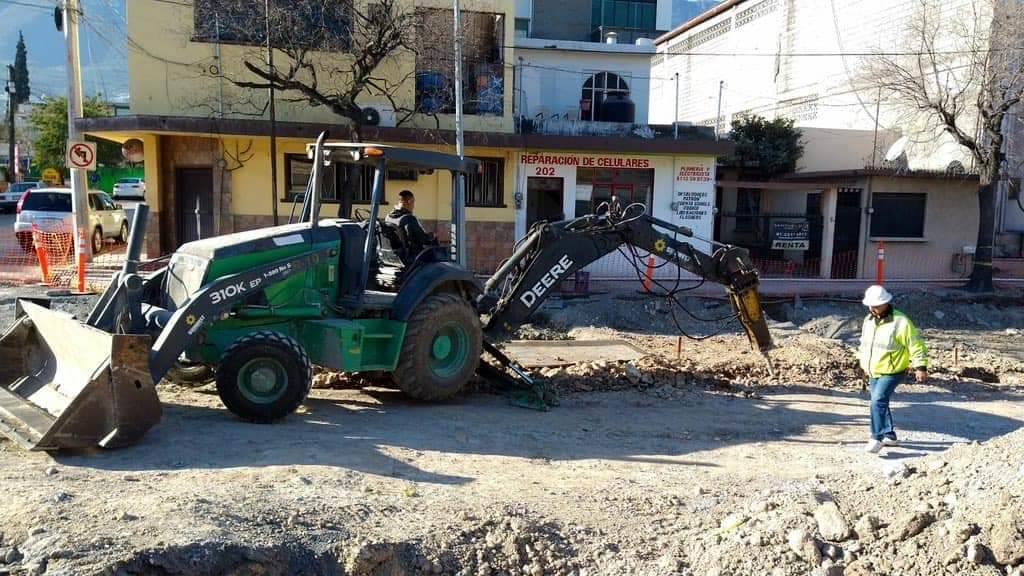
(877, 296)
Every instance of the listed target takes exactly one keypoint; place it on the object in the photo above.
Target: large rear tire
(264, 376)
(441, 350)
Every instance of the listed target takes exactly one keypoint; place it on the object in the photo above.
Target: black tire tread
(406, 374)
(294, 347)
(182, 376)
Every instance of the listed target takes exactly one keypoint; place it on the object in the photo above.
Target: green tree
(21, 86)
(50, 119)
(766, 148)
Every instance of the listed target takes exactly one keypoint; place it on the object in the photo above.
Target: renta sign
(584, 161)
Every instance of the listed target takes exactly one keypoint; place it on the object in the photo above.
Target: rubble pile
(511, 541)
(726, 362)
(325, 378)
(958, 513)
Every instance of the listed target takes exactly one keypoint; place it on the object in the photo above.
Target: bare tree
(338, 53)
(327, 52)
(959, 72)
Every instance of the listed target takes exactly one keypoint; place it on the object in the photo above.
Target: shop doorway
(544, 200)
(846, 242)
(626, 186)
(194, 191)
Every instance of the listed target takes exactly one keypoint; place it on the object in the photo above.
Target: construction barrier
(46, 255)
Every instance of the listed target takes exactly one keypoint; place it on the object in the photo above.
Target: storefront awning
(254, 127)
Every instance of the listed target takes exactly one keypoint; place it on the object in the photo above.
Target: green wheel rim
(449, 351)
(262, 380)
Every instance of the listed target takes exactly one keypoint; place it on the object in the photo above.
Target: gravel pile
(958, 513)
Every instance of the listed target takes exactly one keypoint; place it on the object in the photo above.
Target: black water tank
(617, 108)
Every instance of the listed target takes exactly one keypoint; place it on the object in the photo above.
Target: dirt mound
(511, 541)
(722, 362)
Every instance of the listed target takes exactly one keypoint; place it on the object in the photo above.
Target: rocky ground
(695, 459)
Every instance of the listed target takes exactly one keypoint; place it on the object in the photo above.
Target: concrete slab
(552, 353)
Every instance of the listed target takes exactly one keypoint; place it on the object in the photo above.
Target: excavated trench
(509, 542)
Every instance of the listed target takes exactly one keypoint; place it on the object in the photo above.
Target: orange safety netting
(46, 255)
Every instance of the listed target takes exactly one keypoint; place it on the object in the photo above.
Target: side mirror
(118, 207)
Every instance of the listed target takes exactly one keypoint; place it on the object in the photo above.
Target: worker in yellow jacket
(890, 344)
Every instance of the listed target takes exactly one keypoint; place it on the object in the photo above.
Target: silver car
(9, 199)
(50, 210)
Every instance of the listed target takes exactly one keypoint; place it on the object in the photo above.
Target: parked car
(9, 199)
(130, 189)
(50, 210)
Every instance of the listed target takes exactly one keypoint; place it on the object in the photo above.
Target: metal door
(544, 200)
(194, 191)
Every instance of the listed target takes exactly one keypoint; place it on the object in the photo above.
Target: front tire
(441, 350)
(190, 375)
(264, 376)
(123, 236)
(97, 240)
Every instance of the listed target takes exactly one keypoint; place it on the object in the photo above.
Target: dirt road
(706, 470)
(371, 467)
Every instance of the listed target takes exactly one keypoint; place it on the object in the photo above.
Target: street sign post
(82, 155)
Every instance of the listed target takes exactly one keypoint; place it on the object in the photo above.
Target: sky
(102, 44)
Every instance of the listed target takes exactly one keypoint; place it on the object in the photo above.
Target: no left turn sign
(82, 155)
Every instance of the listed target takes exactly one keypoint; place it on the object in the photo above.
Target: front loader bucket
(64, 384)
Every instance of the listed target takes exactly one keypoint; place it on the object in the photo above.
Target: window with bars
(309, 23)
(487, 189)
(298, 169)
(897, 215)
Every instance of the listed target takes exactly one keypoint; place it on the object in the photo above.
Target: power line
(30, 5)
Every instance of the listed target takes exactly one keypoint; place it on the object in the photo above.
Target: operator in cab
(890, 344)
(402, 217)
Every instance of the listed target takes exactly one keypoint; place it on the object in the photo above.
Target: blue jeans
(881, 416)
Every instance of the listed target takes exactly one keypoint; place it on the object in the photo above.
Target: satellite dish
(897, 149)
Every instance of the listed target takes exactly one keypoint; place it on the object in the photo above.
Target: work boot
(873, 446)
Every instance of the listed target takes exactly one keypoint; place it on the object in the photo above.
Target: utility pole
(718, 115)
(11, 108)
(79, 178)
(458, 224)
(273, 121)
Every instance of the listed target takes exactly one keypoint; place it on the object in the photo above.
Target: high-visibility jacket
(891, 345)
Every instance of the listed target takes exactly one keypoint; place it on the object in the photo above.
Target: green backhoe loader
(259, 308)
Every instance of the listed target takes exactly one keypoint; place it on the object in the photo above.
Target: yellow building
(207, 144)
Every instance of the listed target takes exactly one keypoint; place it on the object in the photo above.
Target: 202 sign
(544, 171)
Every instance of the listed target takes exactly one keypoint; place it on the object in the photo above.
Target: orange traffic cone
(81, 261)
(41, 254)
(649, 275)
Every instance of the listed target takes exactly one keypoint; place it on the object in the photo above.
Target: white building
(560, 79)
(785, 58)
(584, 71)
(805, 60)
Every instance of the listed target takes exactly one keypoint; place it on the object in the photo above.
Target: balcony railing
(623, 35)
(559, 126)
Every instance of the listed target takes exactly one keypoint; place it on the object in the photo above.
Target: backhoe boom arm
(552, 252)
